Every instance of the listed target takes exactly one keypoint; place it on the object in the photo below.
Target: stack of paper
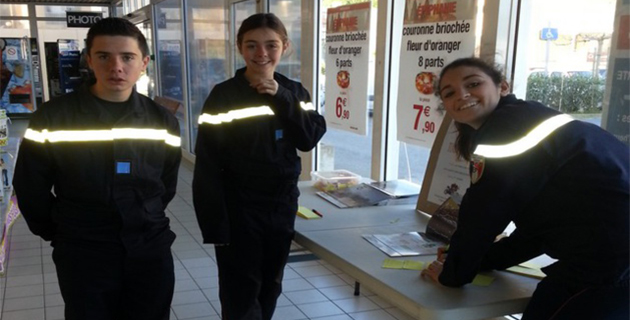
(375, 193)
(307, 213)
(403, 244)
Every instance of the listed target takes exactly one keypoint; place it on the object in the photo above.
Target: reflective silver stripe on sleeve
(244, 113)
(525, 143)
(102, 135)
(308, 106)
(235, 115)
(36, 135)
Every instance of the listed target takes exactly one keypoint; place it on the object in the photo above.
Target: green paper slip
(413, 265)
(393, 264)
(402, 264)
(307, 213)
(482, 281)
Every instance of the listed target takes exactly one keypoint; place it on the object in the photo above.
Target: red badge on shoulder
(477, 164)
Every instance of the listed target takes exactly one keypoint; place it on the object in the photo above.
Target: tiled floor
(313, 289)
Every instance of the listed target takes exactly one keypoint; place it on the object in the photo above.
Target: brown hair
(463, 143)
(117, 27)
(262, 20)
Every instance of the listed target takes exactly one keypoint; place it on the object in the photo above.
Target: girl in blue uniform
(564, 183)
(245, 180)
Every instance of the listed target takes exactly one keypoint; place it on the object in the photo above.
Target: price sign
(430, 40)
(347, 58)
(340, 110)
(422, 116)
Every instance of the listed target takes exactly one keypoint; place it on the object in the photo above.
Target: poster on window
(16, 92)
(616, 109)
(347, 64)
(434, 33)
(171, 69)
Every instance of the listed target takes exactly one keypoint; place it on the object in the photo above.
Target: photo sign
(347, 62)
(82, 19)
(434, 34)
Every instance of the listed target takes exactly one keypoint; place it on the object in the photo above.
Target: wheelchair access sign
(549, 34)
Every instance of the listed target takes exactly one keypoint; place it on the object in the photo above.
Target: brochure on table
(361, 195)
(397, 188)
(393, 192)
(433, 34)
(438, 233)
(403, 244)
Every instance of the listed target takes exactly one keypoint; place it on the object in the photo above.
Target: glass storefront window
(130, 6)
(146, 84)
(60, 11)
(207, 46)
(563, 62)
(15, 28)
(290, 14)
(241, 11)
(340, 149)
(412, 162)
(169, 45)
(117, 10)
(13, 10)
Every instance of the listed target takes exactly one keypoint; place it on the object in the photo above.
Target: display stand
(9, 211)
(446, 175)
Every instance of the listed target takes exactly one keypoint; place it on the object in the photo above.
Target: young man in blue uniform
(94, 174)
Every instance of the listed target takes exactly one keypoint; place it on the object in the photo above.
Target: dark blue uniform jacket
(73, 190)
(257, 152)
(568, 197)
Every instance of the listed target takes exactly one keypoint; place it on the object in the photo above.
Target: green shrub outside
(569, 94)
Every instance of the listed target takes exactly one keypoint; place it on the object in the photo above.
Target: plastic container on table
(335, 179)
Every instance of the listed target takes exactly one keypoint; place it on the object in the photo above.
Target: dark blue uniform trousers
(556, 300)
(101, 281)
(251, 267)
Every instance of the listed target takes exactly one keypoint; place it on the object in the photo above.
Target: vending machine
(20, 85)
(69, 65)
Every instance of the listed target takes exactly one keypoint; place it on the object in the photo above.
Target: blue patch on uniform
(279, 133)
(123, 167)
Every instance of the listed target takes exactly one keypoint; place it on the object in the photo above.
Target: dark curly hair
(463, 143)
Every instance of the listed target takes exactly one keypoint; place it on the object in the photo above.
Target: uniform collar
(93, 105)
(240, 75)
(507, 100)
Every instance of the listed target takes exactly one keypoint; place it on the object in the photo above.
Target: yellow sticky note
(531, 265)
(307, 213)
(393, 264)
(482, 281)
(526, 271)
(413, 265)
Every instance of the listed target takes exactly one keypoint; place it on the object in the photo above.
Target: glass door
(146, 83)
(239, 11)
